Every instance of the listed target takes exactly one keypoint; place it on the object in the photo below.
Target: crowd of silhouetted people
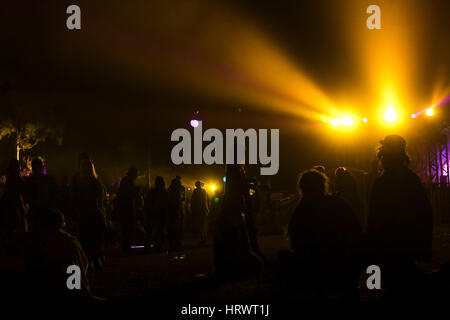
(330, 249)
(46, 227)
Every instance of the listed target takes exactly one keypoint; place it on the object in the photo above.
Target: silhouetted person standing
(89, 208)
(39, 193)
(345, 187)
(199, 209)
(182, 211)
(13, 220)
(157, 210)
(253, 205)
(400, 222)
(127, 198)
(63, 198)
(233, 253)
(370, 178)
(174, 217)
(75, 189)
(324, 234)
(11, 202)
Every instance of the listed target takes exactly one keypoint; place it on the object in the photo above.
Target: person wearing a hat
(400, 222)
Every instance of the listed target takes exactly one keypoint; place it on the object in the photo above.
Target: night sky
(137, 70)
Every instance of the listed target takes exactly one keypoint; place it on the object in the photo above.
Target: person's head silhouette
(13, 168)
(175, 183)
(320, 168)
(313, 184)
(52, 220)
(83, 156)
(159, 182)
(132, 173)
(392, 152)
(88, 169)
(37, 166)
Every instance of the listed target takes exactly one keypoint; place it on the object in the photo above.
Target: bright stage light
(413, 116)
(213, 187)
(365, 120)
(390, 115)
(335, 122)
(194, 123)
(347, 121)
(429, 112)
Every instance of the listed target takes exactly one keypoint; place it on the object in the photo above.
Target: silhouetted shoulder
(414, 178)
(342, 214)
(335, 201)
(403, 177)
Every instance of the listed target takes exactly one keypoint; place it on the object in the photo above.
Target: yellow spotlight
(335, 122)
(429, 112)
(390, 115)
(347, 120)
(213, 187)
(365, 120)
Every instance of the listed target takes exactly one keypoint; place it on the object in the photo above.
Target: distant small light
(224, 179)
(429, 112)
(137, 247)
(413, 116)
(189, 189)
(365, 120)
(216, 199)
(194, 123)
(335, 122)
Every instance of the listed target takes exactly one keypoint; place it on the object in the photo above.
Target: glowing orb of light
(429, 112)
(335, 122)
(347, 120)
(224, 179)
(194, 123)
(365, 120)
(413, 116)
(213, 187)
(390, 115)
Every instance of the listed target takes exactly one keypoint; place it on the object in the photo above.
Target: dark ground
(185, 276)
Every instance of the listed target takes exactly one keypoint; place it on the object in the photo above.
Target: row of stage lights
(390, 116)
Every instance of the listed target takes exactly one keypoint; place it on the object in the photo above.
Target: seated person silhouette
(53, 253)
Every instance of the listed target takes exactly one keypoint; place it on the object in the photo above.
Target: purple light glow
(443, 101)
(194, 123)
